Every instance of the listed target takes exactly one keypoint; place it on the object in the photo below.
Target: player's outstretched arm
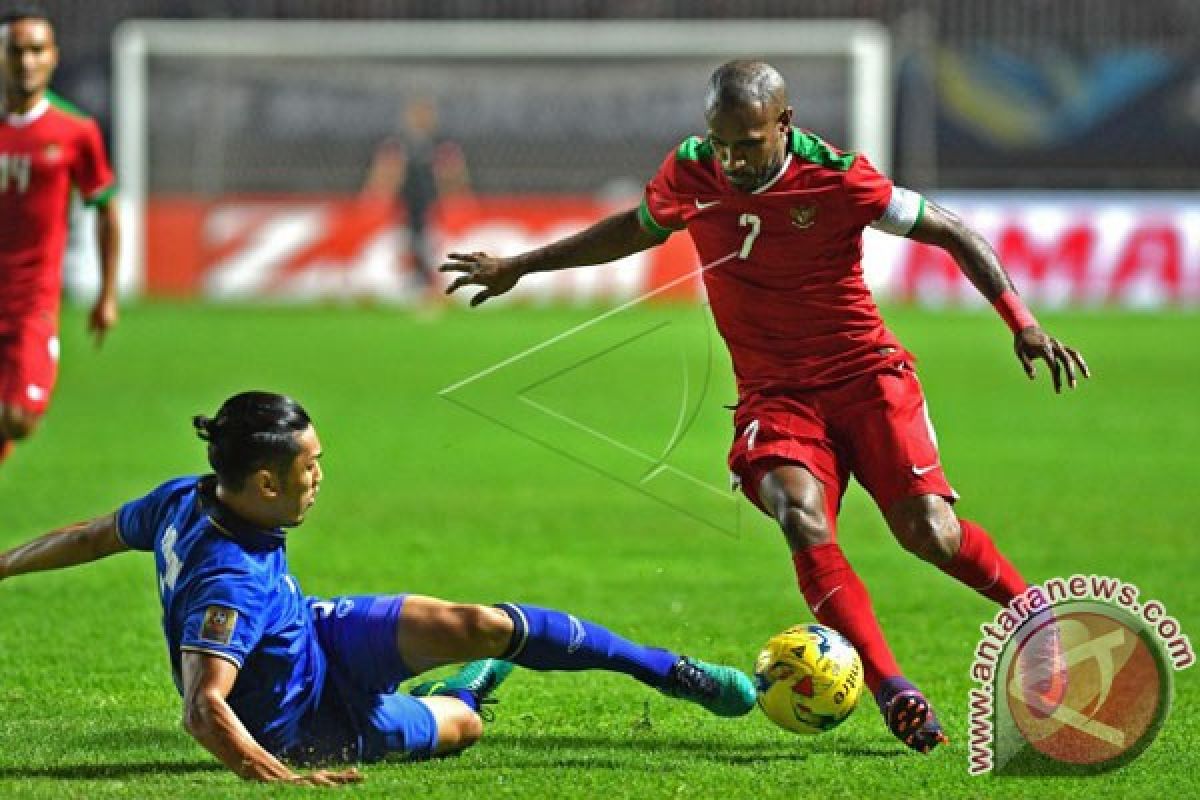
(978, 261)
(609, 239)
(65, 547)
(207, 681)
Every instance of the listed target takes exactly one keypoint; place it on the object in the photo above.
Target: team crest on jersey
(218, 626)
(52, 151)
(803, 216)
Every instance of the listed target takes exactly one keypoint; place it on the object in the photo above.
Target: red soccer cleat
(1042, 670)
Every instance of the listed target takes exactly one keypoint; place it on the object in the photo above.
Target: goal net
(244, 147)
(220, 124)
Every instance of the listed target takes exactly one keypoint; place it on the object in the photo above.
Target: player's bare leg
(838, 598)
(15, 424)
(433, 632)
(458, 725)
(928, 528)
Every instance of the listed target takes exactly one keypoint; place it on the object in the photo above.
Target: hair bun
(203, 426)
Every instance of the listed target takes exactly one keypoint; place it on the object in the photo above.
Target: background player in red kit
(47, 147)
(825, 390)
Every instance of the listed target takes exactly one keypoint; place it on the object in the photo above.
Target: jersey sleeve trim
(649, 223)
(695, 148)
(101, 198)
(66, 106)
(120, 534)
(904, 210)
(812, 148)
(232, 659)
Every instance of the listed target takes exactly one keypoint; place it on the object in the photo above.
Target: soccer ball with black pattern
(809, 678)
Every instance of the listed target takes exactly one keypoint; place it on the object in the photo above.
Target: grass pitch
(586, 475)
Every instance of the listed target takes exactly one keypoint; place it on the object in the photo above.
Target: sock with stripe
(979, 565)
(839, 600)
(545, 639)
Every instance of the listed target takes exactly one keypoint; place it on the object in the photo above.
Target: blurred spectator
(414, 169)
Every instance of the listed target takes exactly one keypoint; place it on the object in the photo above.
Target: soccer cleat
(1042, 670)
(909, 716)
(725, 691)
(480, 678)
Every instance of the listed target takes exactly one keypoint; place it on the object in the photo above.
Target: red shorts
(29, 363)
(875, 427)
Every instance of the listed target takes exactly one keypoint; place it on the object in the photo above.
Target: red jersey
(43, 154)
(790, 299)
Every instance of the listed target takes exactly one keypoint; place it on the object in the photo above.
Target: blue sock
(468, 697)
(545, 639)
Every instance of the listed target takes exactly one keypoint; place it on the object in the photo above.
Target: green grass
(424, 495)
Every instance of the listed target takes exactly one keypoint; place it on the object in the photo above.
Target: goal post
(227, 108)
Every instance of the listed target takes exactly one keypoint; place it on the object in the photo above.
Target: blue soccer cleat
(480, 678)
(725, 691)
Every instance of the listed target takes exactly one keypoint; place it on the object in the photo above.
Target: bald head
(744, 84)
(749, 122)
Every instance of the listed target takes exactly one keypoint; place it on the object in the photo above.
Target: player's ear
(267, 483)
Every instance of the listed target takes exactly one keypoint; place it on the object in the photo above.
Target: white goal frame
(866, 43)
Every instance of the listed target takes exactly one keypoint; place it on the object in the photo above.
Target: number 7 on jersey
(755, 226)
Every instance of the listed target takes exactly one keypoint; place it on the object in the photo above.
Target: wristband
(1013, 311)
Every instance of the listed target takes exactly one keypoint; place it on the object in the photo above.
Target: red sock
(6, 447)
(839, 599)
(979, 565)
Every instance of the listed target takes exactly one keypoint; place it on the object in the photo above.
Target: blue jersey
(225, 590)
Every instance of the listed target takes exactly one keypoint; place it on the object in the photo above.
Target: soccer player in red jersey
(825, 390)
(47, 148)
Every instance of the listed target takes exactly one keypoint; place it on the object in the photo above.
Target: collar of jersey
(783, 168)
(227, 523)
(29, 117)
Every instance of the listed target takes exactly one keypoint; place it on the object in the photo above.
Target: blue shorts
(358, 635)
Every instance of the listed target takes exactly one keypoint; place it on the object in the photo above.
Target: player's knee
(459, 731)
(804, 524)
(932, 536)
(16, 424)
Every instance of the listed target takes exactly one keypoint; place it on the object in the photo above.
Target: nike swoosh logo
(701, 206)
(918, 471)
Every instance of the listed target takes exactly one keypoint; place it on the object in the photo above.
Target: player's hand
(103, 317)
(328, 777)
(1034, 343)
(495, 275)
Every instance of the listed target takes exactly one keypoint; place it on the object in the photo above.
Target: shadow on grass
(126, 747)
(559, 748)
(81, 772)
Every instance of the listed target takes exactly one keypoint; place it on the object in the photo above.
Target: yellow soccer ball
(809, 678)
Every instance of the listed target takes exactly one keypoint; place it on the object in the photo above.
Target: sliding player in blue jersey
(271, 677)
